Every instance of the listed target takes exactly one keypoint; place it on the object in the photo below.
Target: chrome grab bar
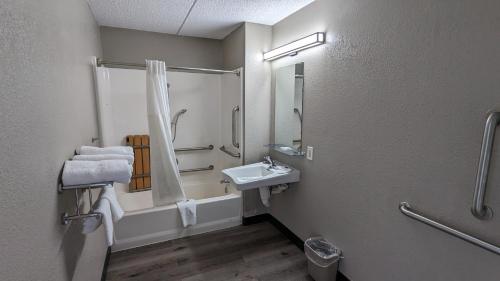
(174, 122)
(405, 208)
(479, 209)
(233, 154)
(235, 142)
(184, 149)
(209, 168)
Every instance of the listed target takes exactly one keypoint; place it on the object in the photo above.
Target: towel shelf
(66, 219)
(62, 187)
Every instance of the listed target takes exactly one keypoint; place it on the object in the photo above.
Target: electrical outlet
(310, 152)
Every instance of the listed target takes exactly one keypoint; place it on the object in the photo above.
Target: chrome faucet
(269, 160)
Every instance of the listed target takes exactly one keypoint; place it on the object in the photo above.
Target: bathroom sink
(261, 174)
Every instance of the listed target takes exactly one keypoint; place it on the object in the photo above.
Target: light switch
(310, 152)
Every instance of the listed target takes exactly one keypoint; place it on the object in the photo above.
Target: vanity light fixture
(294, 47)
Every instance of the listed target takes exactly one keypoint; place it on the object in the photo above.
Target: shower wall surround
(394, 106)
(47, 109)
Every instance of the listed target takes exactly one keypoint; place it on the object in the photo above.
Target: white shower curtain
(104, 107)
(165, 177)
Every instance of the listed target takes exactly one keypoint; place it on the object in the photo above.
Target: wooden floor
(254, 252)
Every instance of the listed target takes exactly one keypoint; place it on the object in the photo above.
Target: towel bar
(66, 219)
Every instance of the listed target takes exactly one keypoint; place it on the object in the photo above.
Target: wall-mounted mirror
(289, 94)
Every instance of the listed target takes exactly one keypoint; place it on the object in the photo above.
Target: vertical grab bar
(479, 209)
(235, 142)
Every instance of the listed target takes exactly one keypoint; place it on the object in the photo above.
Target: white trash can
(322, 259)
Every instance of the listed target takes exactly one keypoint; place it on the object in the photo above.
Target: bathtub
(218, 207)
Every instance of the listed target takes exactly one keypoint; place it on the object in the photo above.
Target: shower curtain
(103, 99)
(165, 177)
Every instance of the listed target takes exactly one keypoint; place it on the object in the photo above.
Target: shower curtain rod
(114, 64)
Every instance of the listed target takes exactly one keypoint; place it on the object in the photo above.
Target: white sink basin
(260, 175)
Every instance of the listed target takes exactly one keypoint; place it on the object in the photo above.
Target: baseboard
(255, 219)
(106, 263)
(158, 237)
(287, 232)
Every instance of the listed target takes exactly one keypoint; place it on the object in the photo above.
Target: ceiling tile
(164, 16)
(209, 18)
(217, 18)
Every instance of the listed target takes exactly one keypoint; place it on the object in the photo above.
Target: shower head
(296, 110)
(177, 114)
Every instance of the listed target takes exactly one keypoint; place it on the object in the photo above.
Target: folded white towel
(265, 195)
(104, 208)
(90, 224)
(99, 157)
(275, 189)
(87, 172)
(93, 150)
(187, 209)
(109, 194)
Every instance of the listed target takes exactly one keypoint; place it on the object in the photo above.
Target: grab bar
(233, 128)
(181, 149)
(479, 209)
(233, 154)
(174, 121)
(209, 168)
(405, 208)
(184, 149)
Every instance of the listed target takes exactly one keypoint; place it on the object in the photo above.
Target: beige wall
(47, 109)
(258, 38)
(244, 47)
(127, 45)
(395, 106)
(233, 48)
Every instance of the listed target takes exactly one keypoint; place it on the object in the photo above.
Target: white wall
(395, 105)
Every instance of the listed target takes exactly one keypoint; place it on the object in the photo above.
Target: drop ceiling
(200, 18)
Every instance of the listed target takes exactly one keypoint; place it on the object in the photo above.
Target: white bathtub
(145, 224)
